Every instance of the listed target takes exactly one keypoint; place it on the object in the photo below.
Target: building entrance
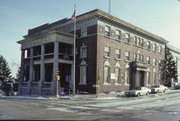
(141, 78)
(65, 74)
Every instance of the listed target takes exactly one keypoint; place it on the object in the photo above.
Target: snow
(63, 110)
(142, 100)
(26, 97)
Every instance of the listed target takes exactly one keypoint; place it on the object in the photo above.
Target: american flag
(73, 15)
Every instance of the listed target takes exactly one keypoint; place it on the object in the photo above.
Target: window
(26, 53)
(154, 77)
(127, 37)
(126, 74)
(135, 40)
(148, 45)
(160, 49)
(148, 60)
(159, 62)
(142, 42)
(107, 31)
(118, 53)
(83, 53)
(118, 34)
(82, 74)
(138, 57)
(135, 57)
(26, 73)
(154, 62)
(106, 74)
(127, 55)
(141, 57)
(107, 51)
(159, 77)
(154, 47)
(117, 75)
(138, 41)
(148, 77)
(84, 31)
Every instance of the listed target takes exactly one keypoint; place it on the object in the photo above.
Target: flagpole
(74, 71)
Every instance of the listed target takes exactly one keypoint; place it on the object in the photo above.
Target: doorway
(65, 74)
(141, 78)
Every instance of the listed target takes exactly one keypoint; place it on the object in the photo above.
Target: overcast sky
(161, 17)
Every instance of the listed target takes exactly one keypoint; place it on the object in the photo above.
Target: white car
(138, 91)
(158, 88)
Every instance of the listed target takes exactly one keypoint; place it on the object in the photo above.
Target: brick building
(119, 54)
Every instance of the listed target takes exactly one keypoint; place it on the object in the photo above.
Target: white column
(31, 71)
(145, 79)
(42, 70)
(21, 71)
(55, 66)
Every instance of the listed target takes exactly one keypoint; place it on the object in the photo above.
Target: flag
(73, 15)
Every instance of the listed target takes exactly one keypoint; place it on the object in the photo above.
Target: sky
(161, 17)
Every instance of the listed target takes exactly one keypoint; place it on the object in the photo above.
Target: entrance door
(141, 78)
(65, 74)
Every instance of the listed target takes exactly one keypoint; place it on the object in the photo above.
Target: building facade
(111, 55)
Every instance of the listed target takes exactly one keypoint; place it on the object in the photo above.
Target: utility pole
(109, 6)
(74, 67)
(57, 85)
(97, 84)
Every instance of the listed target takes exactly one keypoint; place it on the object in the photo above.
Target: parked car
(138, 91)
(177, 86)
(158, 88)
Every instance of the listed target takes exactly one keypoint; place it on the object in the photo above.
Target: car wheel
(158, 91)
(164, 91)
(138, 94)
(147, 93)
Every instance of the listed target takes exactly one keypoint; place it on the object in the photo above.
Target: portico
(139, 74)
(42, 55)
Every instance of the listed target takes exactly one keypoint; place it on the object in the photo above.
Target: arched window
(126, 74)
(154, 76)
(148, 76)
(117, 73)
(83, 66)
(106, 72)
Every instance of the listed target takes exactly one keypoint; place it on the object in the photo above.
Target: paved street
(155, 107)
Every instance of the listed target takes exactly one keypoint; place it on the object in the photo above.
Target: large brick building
(111, 55)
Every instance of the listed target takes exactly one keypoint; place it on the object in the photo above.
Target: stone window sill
(106, 83)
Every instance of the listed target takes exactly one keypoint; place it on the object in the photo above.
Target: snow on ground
(140, 100)
(63, 109)
(27, 97)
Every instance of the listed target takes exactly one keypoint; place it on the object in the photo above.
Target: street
(154, 107)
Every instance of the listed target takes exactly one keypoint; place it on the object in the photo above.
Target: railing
(46, 85)
(65, 56)
(37, 57)
(24, 84)
(49, 55)
(35, 84)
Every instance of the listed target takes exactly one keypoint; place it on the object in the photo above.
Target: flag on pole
(73, 15)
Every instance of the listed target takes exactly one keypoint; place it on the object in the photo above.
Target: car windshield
(155, 86)
(138, 88)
